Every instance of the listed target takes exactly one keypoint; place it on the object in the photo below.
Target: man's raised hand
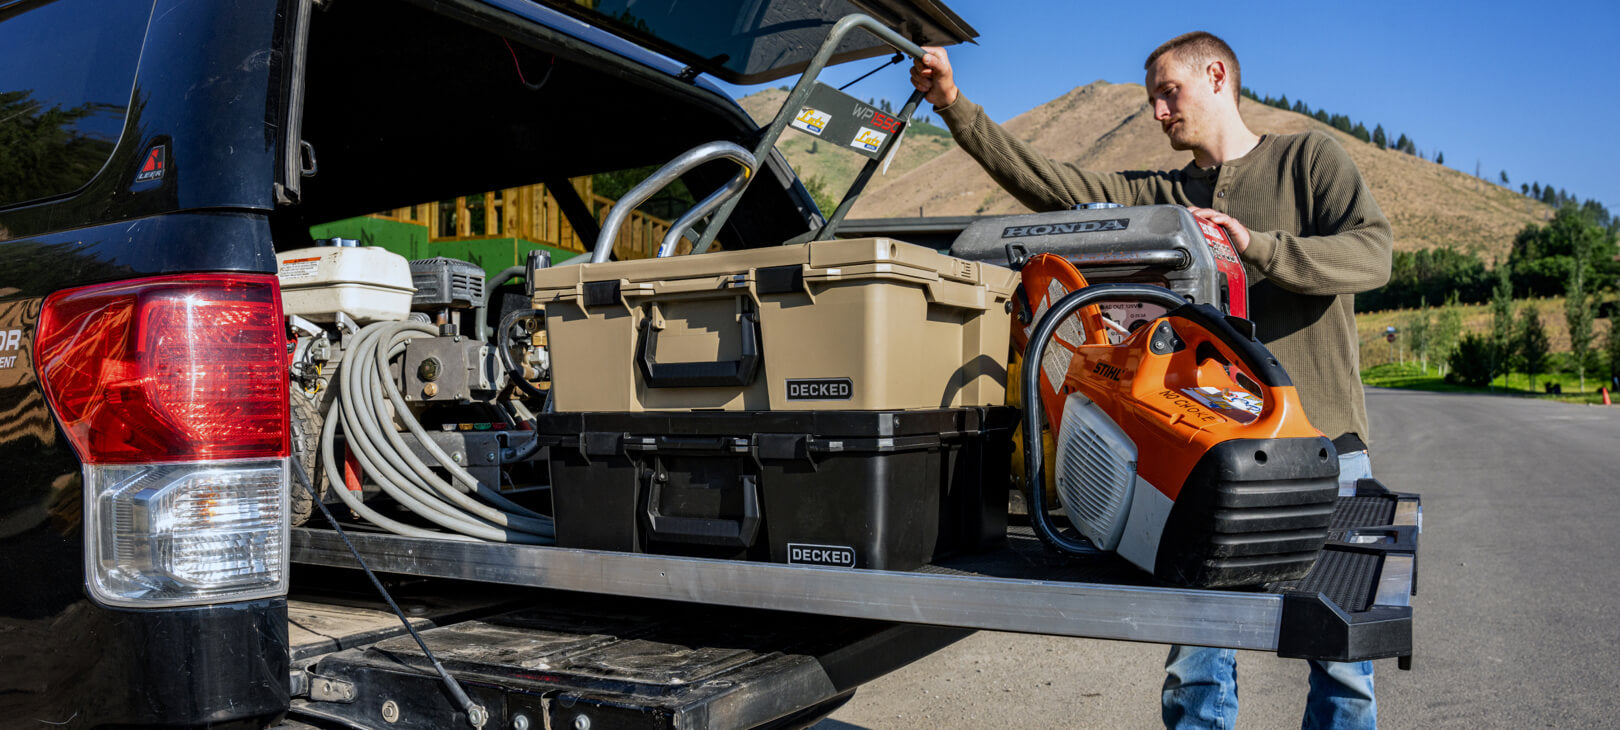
(932, 75)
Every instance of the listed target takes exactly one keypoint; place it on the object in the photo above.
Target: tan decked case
(865, 324)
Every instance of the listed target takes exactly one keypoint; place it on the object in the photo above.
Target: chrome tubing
(670, 172)
(734, 187)
(801, 92)
(1030, 386)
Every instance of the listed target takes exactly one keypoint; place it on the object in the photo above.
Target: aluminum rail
(670, 172)
(1160, 615)
(801, 92)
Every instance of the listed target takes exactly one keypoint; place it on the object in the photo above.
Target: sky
(1530, 89)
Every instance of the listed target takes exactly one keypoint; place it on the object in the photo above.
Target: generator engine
(406, 400)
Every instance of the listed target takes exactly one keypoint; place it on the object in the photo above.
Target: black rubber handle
(739, 372)
(706, 530)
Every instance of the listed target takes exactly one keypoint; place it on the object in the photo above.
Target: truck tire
(306, 421)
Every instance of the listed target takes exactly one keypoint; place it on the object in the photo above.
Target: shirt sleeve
(1351, 241)
(1031, 177)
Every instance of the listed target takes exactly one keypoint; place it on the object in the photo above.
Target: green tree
(1533, 344)
(1420, 333)
(817, 188)
(1360, 132)
(1379, 138)
(1448, 326)
(1470, 364)
(1524, 189)
(1613, 351)
(1504, 178)
(1439, 158)
(1501, 336)
(1543, 257)
(1578, 316)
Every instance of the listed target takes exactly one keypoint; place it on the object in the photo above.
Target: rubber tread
(1363, 512)
(1347, 578)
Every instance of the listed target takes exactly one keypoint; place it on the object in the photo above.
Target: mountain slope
(1110, 127)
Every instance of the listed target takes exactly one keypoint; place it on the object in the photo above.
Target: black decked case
(885, 490)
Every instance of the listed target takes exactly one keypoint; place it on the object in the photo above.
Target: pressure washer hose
(368, 403)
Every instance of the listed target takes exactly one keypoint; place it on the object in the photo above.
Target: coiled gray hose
(369, 403)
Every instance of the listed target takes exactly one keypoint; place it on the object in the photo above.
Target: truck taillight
(172, 392)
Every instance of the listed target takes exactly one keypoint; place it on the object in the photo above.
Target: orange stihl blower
(1183, 448)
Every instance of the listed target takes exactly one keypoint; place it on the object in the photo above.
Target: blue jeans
(1200, 684)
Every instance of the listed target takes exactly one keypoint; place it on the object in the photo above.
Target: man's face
(1183, 99)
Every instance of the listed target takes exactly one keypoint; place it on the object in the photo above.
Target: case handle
(706, 530)
(739, 372)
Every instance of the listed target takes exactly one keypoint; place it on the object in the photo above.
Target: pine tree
(1360, 132)
(1439, 158)
(1535, 190)
(1504, 177)
(1379, 138)
(1533, 344)
(1524, 189)
(1402, 142)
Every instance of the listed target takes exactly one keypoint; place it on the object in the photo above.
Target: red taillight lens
(168, 369)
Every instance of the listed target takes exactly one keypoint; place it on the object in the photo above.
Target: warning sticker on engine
(295, 269)
(1238, 405)
(836, 556)
(1218, 242)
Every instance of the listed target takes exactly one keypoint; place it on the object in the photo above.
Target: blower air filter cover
(1096, 472)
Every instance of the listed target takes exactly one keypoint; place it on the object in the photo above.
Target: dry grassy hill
(1110, 127)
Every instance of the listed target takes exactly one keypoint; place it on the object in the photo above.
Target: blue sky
(1533, 89)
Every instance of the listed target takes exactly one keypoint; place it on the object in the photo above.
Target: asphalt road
(1517, 617)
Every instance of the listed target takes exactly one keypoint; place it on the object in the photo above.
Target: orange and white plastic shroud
(1150, 395)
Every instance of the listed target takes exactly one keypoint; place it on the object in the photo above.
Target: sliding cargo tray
(1354, 605)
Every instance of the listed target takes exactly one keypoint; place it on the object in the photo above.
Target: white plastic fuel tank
(368, 283)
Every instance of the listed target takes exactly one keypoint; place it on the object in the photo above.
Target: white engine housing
(367, 283)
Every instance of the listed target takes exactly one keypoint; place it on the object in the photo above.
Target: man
(1310, 235)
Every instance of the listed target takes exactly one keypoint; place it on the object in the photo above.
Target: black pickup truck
(162, 567)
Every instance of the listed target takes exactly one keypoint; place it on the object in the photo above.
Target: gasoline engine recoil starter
(1183, 448)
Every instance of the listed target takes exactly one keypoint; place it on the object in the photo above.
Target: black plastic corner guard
(1314, 628)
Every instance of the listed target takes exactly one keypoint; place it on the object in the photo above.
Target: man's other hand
(931, 74)
(1234, 230)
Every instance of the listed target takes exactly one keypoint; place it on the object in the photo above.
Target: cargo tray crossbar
(1303, 618)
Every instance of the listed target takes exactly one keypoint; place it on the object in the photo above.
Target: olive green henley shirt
(1316, 238)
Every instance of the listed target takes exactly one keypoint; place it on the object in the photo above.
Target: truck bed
(559, 659)
(689, 642)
